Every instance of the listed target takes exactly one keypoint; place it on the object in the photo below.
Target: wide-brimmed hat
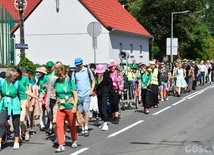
(78, 61)
(100, 69)
(49, 64)
(72, 65)
(151, 62)
(111, 64)
(41, 70)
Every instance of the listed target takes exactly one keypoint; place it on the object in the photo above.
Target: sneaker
(16, 146)
(105, 126)
(82, 133)
(86, 133)
(27, 136)
(74, 144)
(166, 98)
(116, 120)
(32, 132)
(101, 125)
(60, 149)
(146, 111)
(162, 99)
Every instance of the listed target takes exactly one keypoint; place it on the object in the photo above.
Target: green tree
(192, 29)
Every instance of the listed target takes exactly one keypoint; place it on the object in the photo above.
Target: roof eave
(130, 33)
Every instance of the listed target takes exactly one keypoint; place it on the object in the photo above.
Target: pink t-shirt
(114, 77)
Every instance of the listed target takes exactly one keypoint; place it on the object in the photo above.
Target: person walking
(10, 104)
(180, 82)
(66, 94)
(103, 86)
(155, 83)
(115, 93)
(85, 83)
(145, 88)
(203, 70)
(42, 92)
(23, 86)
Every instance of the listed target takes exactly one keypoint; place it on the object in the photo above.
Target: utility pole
(21, 22)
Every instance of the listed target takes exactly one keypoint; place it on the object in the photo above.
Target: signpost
(21, 5)
(94, 29)
(21, 46)
(174, 49)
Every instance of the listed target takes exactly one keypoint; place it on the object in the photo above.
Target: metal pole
(21, 21)
(171, 54)
(180, 12)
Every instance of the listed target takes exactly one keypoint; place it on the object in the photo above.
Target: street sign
(94, 29)
(21, 46)
(174, 46)
(17, 4)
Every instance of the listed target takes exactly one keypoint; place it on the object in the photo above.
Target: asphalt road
(181, 125)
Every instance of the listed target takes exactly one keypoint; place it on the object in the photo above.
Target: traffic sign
(21, 46)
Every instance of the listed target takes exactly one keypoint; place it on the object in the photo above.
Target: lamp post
(181, 12)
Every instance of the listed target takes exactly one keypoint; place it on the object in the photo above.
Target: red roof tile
(9, 6)
(110, 13)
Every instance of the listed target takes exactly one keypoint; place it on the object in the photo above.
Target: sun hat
(100, 69)
(72, 65)
(49, 64)
(111, 64)
(41, 70)
(78, 61)
(151, 62)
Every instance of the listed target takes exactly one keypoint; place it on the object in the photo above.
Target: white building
(63, 36)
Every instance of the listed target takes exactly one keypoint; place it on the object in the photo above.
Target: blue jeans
(202, 80)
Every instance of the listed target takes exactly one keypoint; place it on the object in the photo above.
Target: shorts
(164, 85)
(84, 103)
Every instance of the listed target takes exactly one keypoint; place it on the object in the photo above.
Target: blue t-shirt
(82, 81)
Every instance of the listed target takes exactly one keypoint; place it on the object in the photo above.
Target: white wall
(126, 40)
(62, 36)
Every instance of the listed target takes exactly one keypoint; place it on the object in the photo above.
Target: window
(131, 51)
(121, 47)
(141, 51)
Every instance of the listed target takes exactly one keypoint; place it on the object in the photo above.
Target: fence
(6, 38)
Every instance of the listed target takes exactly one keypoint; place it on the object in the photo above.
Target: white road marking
(162, 110)
(79, 151)
(190, 95)
(126, 128)
(178, 102)
(195, 95)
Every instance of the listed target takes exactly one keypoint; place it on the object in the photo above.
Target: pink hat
(100, 69)
(111, 64)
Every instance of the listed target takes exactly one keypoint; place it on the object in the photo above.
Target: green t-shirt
(23, 83)
(9, 89)
(40, 83)
(47, 77)
(64, 90)
(145, 79)
(10, 99)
